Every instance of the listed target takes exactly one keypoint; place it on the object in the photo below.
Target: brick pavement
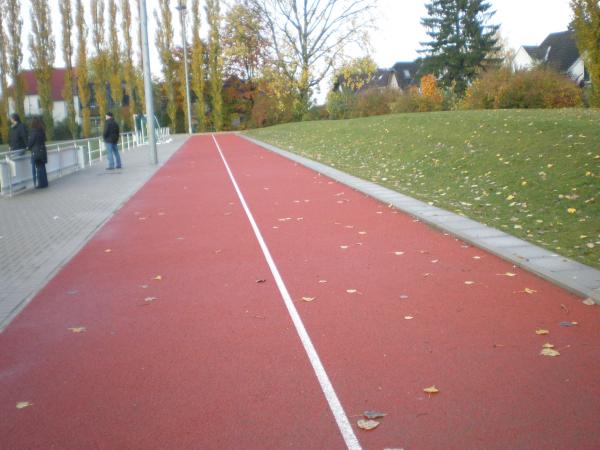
(40, 230)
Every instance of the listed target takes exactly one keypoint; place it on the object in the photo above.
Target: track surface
(214, 360)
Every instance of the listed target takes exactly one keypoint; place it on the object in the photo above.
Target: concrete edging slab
(567, 273)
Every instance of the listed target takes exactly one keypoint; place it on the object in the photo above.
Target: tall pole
(182, 10)
(148, 84)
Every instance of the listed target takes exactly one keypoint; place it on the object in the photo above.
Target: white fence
(64, 158)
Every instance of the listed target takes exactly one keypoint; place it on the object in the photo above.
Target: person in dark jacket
(111, 137)
(39, 155)
(17, 136)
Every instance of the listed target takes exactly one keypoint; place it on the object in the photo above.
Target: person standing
(17, 136)
(111, 138)
(39, 155)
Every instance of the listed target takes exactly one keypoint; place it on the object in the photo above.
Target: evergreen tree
(67, 48)
(215, 62)
(42, 47)
(83, 86)
(198, 66)
(461, 41)
(586, 23)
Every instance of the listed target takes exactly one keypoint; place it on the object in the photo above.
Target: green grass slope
(532, 173)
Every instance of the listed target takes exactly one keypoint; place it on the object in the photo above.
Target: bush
(62, 131)
(375, 102)
(537, 88)
(340, 105)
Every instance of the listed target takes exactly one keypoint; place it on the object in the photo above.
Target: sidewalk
(41, 230)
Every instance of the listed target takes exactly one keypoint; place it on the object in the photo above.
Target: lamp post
(182, 9)
(148, 83)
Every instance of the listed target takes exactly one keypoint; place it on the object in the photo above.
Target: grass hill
(533, 173)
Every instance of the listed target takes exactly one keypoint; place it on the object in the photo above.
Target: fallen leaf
(158, 277)
(548, 345)
(343, 247)
(374, 414)
(150, 299)
(431, 390)
(362, 232)
(541, 331)
(529, 291)
(403, 296)
(398, 253)
(21, 405)
(308, 299)
(408, 317)
(469, 282)
(434, 261)
(108, 250)
(77, 329)
(322, 281)
(549, 352)
(367, 424)
(569, 324)
(476, 257)
(507, 274)
(261, 281)
(571, 210)
(588, 302)
(351, 291)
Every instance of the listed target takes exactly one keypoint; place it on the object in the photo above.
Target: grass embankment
(532, 173)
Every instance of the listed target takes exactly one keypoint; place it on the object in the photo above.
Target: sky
(397, 31)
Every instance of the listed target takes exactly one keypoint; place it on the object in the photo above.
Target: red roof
(56, 83)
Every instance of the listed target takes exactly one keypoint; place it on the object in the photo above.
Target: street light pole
(148, 83)
(182, 9)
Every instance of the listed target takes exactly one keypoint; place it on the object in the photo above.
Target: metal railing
(95, 148)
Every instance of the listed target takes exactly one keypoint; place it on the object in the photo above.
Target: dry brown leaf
(398, 253)
(343, 247)
(351, 291)
(367, 424)
(469, 282)
(322, 281)
(158, 277)
(150, 299)
(308, 299)
(108, 250)
(476, 257)
(529, 291)
(541, 331)
(408, 317)
(21, 405)
(374, 415)
(549, 352)
(588, 302)
(507, 274)
(362, 232)
(431, 390)
(548, 345)
(78, 329)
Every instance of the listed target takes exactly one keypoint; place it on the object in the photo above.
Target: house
(32, 99)
(558, 51)
(400, 77)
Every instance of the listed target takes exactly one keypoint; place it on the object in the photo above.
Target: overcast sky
(397, 31)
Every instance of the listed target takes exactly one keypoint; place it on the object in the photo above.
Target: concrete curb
(571, 275)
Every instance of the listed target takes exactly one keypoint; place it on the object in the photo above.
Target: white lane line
(332, 398)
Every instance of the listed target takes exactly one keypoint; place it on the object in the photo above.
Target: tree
(244, 46)
(586, 22)
(129, 72)
(198, 66)
(164, 42)
(215, 62)
(3, 74)
(309, 38)
(42, 47)
(15, 54)
(83, 86)
(461, 41)
(67, 48)
(100, 60)
(114, 60)
(139, 81)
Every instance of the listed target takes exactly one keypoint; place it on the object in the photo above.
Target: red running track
(215, 361)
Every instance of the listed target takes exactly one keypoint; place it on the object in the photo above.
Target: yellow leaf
(77, 329)
(510, 197)
(571, 210)
(431, 390)
(541, 331)
(588, 302)
(549, 352)
(367, 424)
(548, 345)
(158, 277)
(308, 299)
(529, 291)
(21, 405)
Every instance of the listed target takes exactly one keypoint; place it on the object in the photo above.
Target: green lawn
(532, 173)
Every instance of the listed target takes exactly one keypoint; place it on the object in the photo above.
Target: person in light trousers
(111, 138)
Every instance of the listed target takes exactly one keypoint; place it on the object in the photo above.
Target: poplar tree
(42, 47)
(461, 41)
(114, 66)
(586, 22)
(164, 42)
(215, 62)
(99, 62)
(15, 54)
(67, 49)
(83, 86)
(3, 74)
(198, 66)
(128, 69)
(139, 81)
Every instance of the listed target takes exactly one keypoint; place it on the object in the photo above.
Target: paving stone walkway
(40, 230)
